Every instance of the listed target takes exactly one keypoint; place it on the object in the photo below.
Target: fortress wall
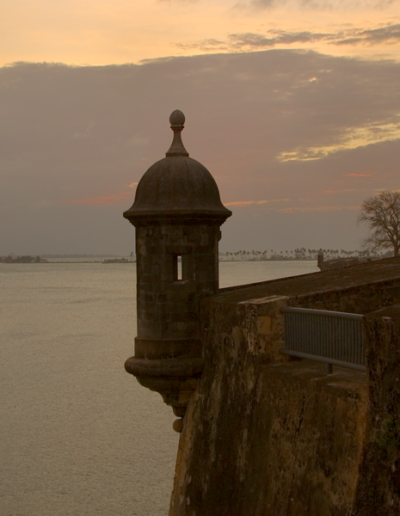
(266, 435)
(378, 492)
(359, 299)
(263, 435)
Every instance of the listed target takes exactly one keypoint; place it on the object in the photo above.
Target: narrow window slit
(178, 273)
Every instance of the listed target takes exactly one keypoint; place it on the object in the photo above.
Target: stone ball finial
(177, 187)
(177, 119)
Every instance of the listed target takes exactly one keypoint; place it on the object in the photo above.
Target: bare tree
(381, 214)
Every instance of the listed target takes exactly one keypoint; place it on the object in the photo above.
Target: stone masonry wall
(264, 436)
(378, 492)
(268, 435)
(176, 266)
(360, 299)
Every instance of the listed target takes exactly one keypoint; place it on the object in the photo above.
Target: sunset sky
(293, 106)
(101, 32)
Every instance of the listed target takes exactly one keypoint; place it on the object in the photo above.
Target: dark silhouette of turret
(177, 214)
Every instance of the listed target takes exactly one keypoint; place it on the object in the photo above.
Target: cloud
(86, 134)
(389, 34)
(105, 200)
(10, 84)
(138, 140)
(318, 5)
(347, 139)
(317, 208)
(210, 45)
(243, 203)
(242, 111)
(358, 175)
(253, 41)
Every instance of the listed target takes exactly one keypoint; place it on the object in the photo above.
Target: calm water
(79, 436)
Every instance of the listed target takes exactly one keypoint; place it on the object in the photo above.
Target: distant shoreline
(270, 260)
(48, 262)
(224, 260)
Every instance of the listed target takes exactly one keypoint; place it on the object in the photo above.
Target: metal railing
(335, 338)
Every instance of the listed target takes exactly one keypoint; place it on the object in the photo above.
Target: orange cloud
(318, 208)
(105, 200)
(244, 203)
(358, 175)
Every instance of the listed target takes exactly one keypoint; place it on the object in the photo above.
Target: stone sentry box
(177, 214)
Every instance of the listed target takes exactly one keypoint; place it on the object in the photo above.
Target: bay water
(78, 435)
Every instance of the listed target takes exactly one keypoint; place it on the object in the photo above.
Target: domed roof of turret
(177, 186)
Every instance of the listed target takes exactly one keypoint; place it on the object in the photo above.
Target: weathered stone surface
(376, 276)
(378, 491)
(270, 439)
(177, 187)
(358, 299)
(338, 263)
(167, 306)
(266, 435)
(177, 214)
